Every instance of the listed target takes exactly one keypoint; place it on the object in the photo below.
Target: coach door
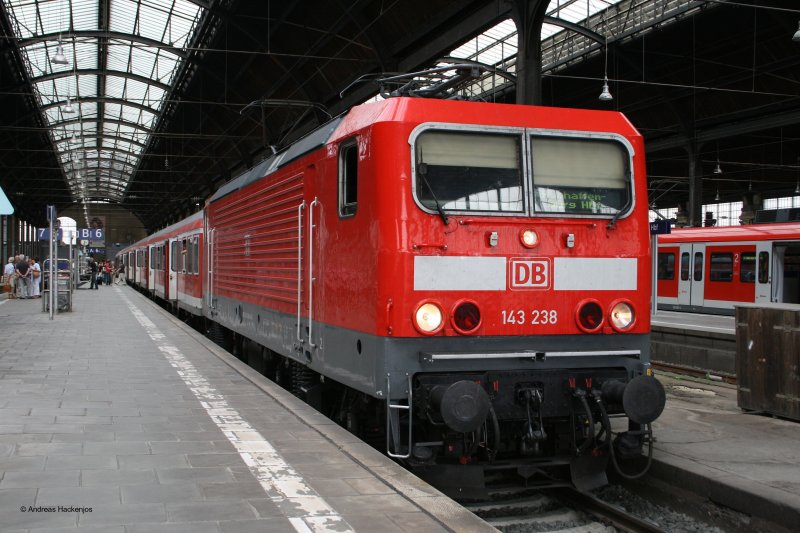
(764, 288)
(151, 268)
(692, 274)
(172, 273)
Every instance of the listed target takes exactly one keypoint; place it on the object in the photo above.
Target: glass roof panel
(497, 46)
(121, 129)
(85, 14)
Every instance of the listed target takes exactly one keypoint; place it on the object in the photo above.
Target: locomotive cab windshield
(495, 172)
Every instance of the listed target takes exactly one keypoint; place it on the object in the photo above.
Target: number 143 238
(535, 317)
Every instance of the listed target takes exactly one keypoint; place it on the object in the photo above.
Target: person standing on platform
(92, 273)
(36, 277)
(9, 275)
(23, 277)
(107, 273)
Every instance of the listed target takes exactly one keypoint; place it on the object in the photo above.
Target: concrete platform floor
(747, 461)
(116, 417)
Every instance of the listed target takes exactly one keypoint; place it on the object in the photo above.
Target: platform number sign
(91, 234)
(44, 234)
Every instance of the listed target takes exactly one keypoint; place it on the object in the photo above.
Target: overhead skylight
(614, 19)
(116, 78)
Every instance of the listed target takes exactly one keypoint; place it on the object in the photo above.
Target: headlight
(428, 318)
(589, 316)
(529, 238)
(622, 316)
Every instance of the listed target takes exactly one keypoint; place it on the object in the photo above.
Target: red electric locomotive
(710, 270)
(469, 281)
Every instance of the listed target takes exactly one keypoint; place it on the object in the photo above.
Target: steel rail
(617, 516)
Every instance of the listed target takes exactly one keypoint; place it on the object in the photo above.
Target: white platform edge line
(273, 473)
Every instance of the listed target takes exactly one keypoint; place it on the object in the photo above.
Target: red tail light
(589, 316)
(466, 317)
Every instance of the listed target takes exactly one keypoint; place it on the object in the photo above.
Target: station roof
(174, 98)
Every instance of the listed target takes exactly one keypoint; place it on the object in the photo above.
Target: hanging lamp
(59, 58)
(605, 95)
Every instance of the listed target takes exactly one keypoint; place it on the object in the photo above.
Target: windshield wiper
(612, 224)
(422, 171)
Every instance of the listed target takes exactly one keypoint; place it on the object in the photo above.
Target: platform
(117, 417)
(721, 324)
(746, 461)
(705, 343)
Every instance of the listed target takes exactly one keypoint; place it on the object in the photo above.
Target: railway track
(694, 372)
(556, 510)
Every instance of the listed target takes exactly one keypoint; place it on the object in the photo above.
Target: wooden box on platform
(768, 358)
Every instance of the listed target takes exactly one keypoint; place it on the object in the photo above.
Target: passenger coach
(167, 264)
(710, 270)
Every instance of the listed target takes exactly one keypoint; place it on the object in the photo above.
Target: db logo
(530, 273)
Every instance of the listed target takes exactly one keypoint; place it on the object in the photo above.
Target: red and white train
(168, 263)
(467, 282)
(710, 270)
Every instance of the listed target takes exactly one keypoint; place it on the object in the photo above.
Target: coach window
(348, 178)
(685, 266)
(469, 171)
(763, 267)
(190, 257)
(196, 261)
(698, 266)
(173, 256)
(580, 176)
(183, 256)
(666, 266)
(721, 267)
(747, 268)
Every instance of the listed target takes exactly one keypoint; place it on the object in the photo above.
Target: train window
(173, 256)
(580, 176)
(196, 264)
(747, 268)
(763, 267)
(458, 171)
(183, 255)
(190, 257)
(721, 267)
(698, 266)
(666, 265)
(685, 266)
(348, 178)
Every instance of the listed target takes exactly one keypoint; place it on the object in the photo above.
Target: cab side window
(348, 178)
